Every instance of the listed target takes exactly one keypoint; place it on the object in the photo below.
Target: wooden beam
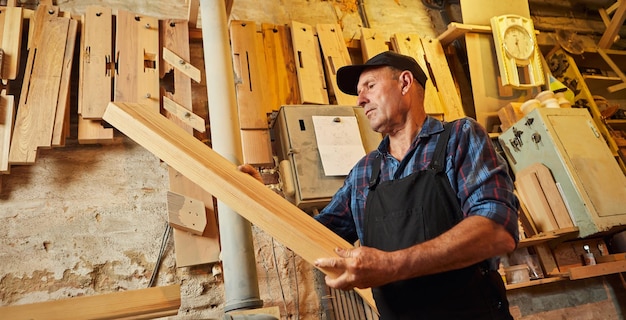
(218, 176)
(136, 304)
(613, 29)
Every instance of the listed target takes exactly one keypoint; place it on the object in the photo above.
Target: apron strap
(375, 176)
(439, 156)
(437, 164)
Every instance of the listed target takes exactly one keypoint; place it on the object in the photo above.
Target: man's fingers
(333, 263)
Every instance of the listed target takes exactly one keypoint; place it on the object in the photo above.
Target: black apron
(403, 212)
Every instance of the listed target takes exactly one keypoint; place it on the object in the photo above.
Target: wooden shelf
(550, 236)
(534, 282)
(597, 270)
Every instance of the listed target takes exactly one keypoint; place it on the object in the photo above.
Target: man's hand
(361, 267)
(246, 168)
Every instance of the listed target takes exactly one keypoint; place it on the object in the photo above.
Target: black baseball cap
(348, 76)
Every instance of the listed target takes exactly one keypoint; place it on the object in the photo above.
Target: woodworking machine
(304, 180)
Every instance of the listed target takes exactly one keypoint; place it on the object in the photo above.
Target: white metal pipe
(238, 260)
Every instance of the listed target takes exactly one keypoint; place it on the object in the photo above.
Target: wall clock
(517, 52)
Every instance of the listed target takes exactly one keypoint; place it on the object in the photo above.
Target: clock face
(518, 43)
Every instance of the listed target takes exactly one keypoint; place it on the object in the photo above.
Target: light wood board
(218, 176)
(134, 304)
(7, 111)
(96, 62)
(61, 126)
(308, 64)
(282, 79)
(335, 55)
(138, 59)
(248, 64)
(411, 45)
(40, 92)
(10, 41)
(373, 42)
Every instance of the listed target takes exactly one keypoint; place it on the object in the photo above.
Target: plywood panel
(245, 195)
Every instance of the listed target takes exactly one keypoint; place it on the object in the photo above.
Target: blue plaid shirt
(478, 175)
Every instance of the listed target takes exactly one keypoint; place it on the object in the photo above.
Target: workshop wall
(90, 219)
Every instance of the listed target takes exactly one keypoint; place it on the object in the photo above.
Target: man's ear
(406, 79)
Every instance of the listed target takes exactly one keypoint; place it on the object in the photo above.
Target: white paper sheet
(339, 143)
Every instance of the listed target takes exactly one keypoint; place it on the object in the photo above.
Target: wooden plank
(138, 59)
(529, 188)
(455, 30)
(249, 82)
(279, 59)
(612, 30)
(446, 87)
(161, 301)
(10, 41)
(311, 83)
(615, 69)
(526, 219)
(35, 115)
(411, 45)
(96, 62)
(181, 64)
(149, 61)
(175, 37)
(192, 12)
(192, 249)
(186, 213)
(552, 195)
(547, 259)
(372, 43)
(189, 249)
(60, 129)
(92, 131)
(7, 111)
(335, 55)
(184, 114)
(241, 192)
(256, 147)
(509, 115)
(600, 269)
